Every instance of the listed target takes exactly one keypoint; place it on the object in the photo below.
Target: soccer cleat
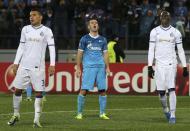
(167, 114)
(172, 120)
(37, 125)
(79, 117)
(13, 120)
(28, 99)
(103, 116)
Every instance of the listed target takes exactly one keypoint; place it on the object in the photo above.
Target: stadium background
(130, 20)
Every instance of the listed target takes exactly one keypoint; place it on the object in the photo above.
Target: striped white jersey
(162, 46)
(32, 47)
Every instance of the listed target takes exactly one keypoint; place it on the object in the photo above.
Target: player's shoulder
(176, 30)
(26, 27)
(46, 29)
(154, 30)
(102, 38)
(85, 37)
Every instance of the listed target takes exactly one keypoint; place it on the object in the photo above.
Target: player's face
(93, 25)
(35, 18)
(165, 19)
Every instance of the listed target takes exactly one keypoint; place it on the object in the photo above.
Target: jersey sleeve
(23, 37)
(178, 37)
(152, 44)
(152, 36)
(50, 38)
(82, 44)
(51, 46)
(20, 49)
(105, 47)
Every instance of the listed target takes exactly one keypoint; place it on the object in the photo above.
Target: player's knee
(39, 95)
(171, 89)
(18, 92)
(102, 92)
(162, 93)
(83, 92)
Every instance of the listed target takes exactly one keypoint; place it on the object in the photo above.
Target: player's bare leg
(17, 98)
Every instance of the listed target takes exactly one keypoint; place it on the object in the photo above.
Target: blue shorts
(92, 75)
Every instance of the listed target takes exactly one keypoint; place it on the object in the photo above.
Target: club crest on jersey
(171, 34)
(41, 34)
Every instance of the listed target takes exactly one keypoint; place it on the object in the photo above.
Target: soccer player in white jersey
(163, 40)
(29, 64)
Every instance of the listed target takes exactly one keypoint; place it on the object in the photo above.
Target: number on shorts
(43, 82)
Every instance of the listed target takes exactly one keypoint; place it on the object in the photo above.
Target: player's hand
(108, 71)
(51, 70)
(185, 72)
(15, 68)
(78, 72)
(150, 72)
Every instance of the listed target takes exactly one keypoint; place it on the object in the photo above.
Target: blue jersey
(93, 49)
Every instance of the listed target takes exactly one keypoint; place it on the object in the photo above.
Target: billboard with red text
(125, 79)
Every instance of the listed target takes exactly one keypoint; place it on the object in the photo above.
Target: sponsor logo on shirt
(90, 47)
(33, 39)
(162, 39)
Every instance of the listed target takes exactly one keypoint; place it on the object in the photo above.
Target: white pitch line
(72, 111)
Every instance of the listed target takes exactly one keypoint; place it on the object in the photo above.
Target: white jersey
(162, 46)
(32, 48)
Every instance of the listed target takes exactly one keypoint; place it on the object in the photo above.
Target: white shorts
(25, 77)
(165, 77)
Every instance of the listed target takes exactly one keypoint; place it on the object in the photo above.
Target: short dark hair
(92, 17)
(36, 8)
(164, 13)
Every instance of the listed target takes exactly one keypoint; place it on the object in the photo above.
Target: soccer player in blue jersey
(92, 53)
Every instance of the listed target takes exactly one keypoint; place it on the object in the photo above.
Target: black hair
(164, 13)
(36, 8)
(92, 17)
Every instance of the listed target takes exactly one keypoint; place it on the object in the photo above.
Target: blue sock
(80, 100)
(29, 91)
(102, 102)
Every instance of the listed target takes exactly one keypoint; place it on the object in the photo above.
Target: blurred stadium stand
(132, 56)
(131, 20)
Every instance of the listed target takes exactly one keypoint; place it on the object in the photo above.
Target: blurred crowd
(131, 20)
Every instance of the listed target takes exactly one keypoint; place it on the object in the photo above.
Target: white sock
(16, 104)
(163, 100)
(173, 102)
(38, 109)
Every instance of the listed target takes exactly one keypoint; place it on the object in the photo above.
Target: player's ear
(41, 17)
(88, 26)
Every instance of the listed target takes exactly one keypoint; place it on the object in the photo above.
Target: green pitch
(127, 113)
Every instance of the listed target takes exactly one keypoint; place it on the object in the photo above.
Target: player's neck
(37, 25)
(165, 26)
(93, 34)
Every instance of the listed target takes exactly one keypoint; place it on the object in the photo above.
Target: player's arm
(151, 53)
(181, 53)
(51, 46)
(106, 57)
(79, 56)
(79, 61)
(20, 51)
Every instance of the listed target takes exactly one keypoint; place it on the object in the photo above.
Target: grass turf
(127, 113)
